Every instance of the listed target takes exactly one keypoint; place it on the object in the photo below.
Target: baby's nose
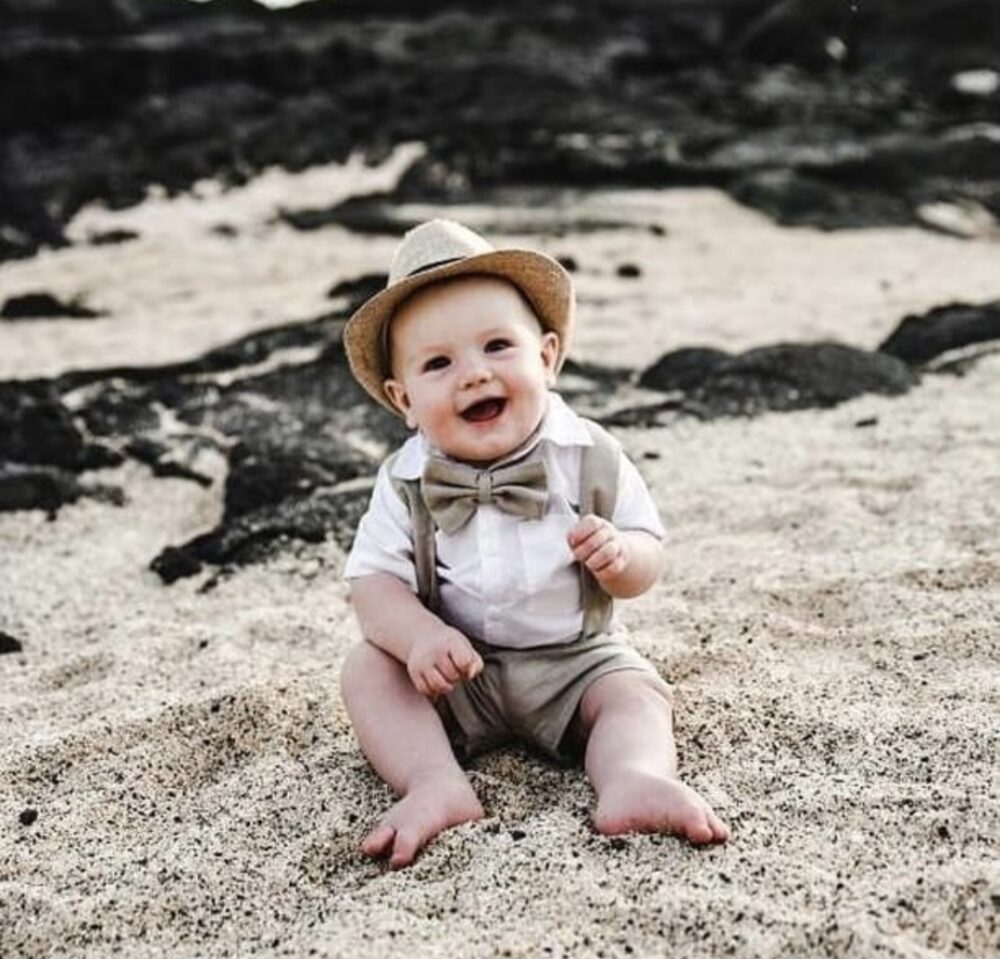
(474, 373)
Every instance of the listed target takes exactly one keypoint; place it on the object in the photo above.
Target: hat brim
(543, 280)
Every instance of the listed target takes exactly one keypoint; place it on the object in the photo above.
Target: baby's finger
(436, 682)
(604, 557)
(477, 666)
(447, 668)
(583, 528)
(585, 549)
(612, 570)
(467, 661)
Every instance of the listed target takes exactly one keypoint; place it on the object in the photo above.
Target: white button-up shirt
(503, 579)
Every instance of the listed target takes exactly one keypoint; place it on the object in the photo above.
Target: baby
(481, 575)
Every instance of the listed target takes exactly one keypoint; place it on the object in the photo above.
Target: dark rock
(146, 450)
(604, 377)
(261, 476)
(37, 428)
(797, 199)
(646, 415)
(264, 533)
(48, 488)
(628, 271)
(175, 563)
(99, 456)
(36, 487)
(358, 290)
(568, 263)
(28, 816)
(796, 376)
(34, 306)
(112, 237)
(121, 408)
(383, 214)
(682, 369)
(362, 214)
(920, 338)
(160, 458)
(8, 644)
(866, 421)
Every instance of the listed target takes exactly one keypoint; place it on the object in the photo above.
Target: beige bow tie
(453, 491)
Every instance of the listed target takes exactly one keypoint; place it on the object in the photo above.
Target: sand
(829, 619)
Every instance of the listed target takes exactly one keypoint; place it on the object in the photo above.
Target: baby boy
(482, 574)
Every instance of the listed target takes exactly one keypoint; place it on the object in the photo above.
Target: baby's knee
(364, 668)
(625, 691)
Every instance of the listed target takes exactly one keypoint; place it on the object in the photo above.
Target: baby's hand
(599, 546)
(440, 660)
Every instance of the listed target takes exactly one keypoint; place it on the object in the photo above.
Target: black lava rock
(792, 198)
(28, 816)
(8, 644)
(112, 237)
(920, 338)
(175, 563)
(33, 306)
(36, 487)
(682, 369)
(37, 428)
(796, 376)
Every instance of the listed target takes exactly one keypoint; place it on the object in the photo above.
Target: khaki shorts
(533, 694)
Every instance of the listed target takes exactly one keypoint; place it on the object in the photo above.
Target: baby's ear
(550, 356)
(397, 393)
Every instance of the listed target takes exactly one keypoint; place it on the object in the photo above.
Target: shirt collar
(560, 426)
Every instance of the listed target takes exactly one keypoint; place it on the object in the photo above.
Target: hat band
(431, 266)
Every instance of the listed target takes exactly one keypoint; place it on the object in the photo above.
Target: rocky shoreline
(832, 114)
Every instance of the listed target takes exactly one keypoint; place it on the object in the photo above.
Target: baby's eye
(435, 363)
(495, 345)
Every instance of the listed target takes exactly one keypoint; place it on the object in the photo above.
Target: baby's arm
(625, 562)
(436, 655)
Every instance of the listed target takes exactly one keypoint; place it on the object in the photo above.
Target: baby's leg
(632, 762)
(404, 739)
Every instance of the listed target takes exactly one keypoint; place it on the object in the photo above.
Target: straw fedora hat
(438, 250)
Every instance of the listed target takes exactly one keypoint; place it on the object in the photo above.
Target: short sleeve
(634, 507)
(384, 540)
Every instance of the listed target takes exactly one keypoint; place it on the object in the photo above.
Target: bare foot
(432, 805)
(639, 802)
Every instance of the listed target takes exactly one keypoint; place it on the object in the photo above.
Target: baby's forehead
(498, 298)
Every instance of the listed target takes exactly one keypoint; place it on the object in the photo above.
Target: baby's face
(471, 367)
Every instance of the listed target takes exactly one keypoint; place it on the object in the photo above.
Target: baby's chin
(484, 449)
(480, 454)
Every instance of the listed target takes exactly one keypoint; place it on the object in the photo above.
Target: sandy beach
(177, 774)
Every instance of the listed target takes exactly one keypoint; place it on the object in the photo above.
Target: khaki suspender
(598, 494)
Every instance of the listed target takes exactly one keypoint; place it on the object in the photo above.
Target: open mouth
(484, 411)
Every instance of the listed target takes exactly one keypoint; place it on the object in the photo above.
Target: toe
(697, 828)
(378, 840)
(404, 849)
(720, 831)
